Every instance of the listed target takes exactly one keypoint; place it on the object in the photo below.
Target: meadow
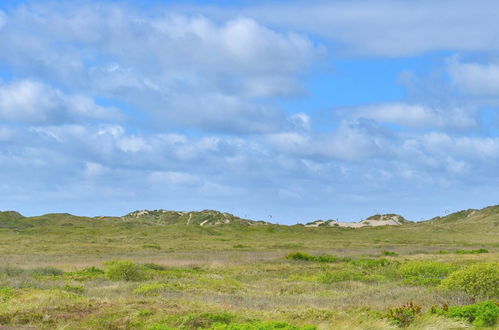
(60, 271)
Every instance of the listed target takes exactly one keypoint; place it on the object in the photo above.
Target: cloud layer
(106, 107)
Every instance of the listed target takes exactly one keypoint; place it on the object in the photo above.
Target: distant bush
(272, 325)
(154, 266)
(329, 277)
(482, 314)
(389, 253)
(150, 288)
(424, 272)
(46, 271)
(478, 280)
(405, 314)
(6, 293)
(205, 320)
(151, 246)
(472, 251)
(366, 263)
(320, 258)
(125, 271)
(73, 288)
(300, 256)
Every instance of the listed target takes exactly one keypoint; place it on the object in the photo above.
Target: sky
(287, 111)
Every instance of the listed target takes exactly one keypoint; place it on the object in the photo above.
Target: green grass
(65, 272)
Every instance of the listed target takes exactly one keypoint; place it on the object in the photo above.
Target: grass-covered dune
(165, 270)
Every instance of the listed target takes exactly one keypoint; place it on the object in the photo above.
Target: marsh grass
(63, 272)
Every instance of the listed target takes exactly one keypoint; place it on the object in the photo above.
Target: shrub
(472, 251)
(478, 280)
(205, 320)
(125, 271)
(480, 314)
(405, 314)
(151, 246)
(366, 263)
(46, 271)
(6, 293)
(300, 256)
(150, 288)
(389, 253)
(424, 272)
(321, 258)
(154, 266)
(272, 325)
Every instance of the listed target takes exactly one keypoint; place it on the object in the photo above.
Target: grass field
(59, 271)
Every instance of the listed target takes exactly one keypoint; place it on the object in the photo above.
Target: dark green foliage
(472, 251)
(153, 266)
(321, 258)
(205, 320)
(389, 253)
(151, 246)
(125, 271)
(481, 314)
(272, 325)
(478, 280)
(405, 314)
(46, 271)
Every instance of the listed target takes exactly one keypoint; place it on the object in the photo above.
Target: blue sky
(297, 110)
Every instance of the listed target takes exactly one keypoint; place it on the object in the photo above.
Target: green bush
(125, 271)
(300, 256)
(320, 258)
(205, 320)
(366, 263)
(424, 272)
(472, 251)
(46, 271)
(154, 266)
(389, 253)
(481, 314)
(272, 325)
(150, 288)
(404, 315)
(329, 277)
(478, 280)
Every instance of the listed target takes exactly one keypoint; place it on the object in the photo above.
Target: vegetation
(153, 271)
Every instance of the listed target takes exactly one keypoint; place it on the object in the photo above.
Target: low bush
(389, 253)
(320, 258)
(472, 251)
(366, 263)
(150, 288)
(205, 320)
(478, 280)
(404, 315)
(46, 271)
(424, 272)
(154, 266)
(125, 271)
(482, 314)
(272, 325)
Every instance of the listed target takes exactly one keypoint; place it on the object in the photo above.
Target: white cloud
(390, 27)
(417, 115)
(475, 78)
(33, 102)
(184, 69)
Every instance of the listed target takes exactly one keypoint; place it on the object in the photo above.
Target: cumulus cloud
(389, 27)
(474, 78)
(417, 115)
(186, 69)
(34, 102)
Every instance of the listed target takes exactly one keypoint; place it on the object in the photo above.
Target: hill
(372, 221)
